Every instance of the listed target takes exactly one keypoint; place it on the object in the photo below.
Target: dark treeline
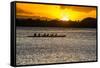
(85, 23)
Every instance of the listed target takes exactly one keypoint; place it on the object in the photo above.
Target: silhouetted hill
(85, 23)
(89, 22)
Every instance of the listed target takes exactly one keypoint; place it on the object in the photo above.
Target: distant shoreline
(52, 27)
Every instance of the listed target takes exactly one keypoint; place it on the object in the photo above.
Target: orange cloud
(54, 11)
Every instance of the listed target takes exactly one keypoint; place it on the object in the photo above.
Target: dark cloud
(79, 8)
(19, 10)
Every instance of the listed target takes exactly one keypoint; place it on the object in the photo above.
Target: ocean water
(78, 45)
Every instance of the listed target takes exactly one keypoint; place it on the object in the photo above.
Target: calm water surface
(78, 45)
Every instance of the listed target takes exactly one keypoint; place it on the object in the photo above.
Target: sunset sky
(41, 11)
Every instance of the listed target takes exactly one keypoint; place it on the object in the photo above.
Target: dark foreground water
(78, 45)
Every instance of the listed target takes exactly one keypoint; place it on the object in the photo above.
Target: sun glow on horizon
(60, 12)
(65, 18)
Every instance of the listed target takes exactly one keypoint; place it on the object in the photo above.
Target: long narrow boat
(54, 34)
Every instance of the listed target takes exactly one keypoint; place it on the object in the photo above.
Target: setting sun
(64, 18)
(65, 13)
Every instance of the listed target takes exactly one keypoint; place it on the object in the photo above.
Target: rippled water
(78, 45)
